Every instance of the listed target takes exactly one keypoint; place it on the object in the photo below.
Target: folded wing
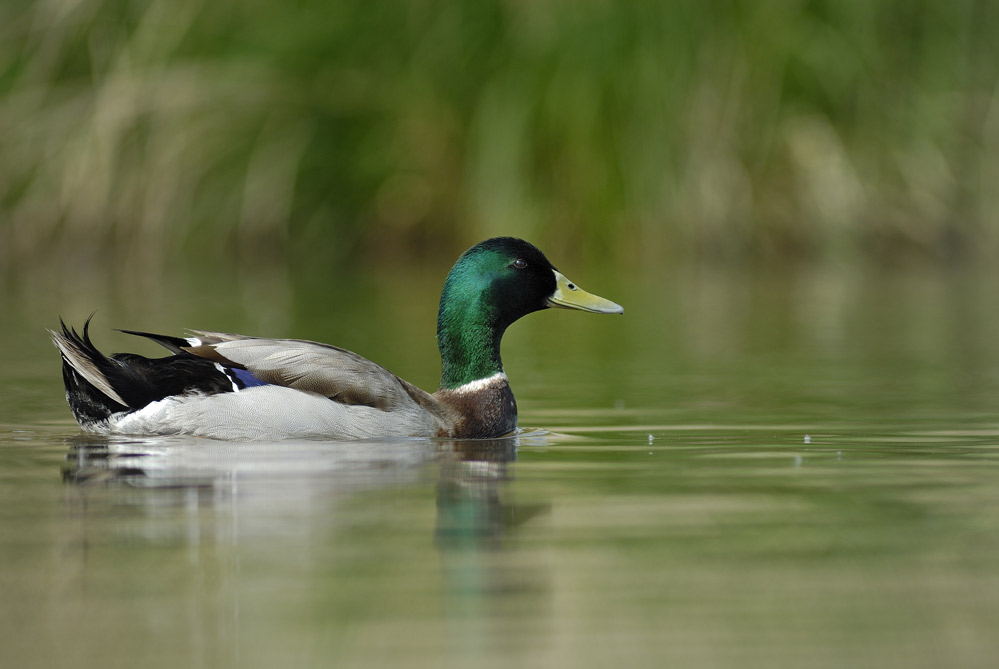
(339, 374)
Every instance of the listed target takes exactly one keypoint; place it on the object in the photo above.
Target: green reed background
(153, 130)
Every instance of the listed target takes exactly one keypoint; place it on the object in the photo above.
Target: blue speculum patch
(247, 379)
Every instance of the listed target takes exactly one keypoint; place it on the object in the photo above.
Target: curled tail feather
(85, 370)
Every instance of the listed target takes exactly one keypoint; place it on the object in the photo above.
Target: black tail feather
(89, 403)
(173, 344)
(98, 386)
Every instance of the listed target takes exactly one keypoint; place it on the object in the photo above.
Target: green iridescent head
(490, 286)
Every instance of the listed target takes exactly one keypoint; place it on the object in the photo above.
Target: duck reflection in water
(324, 524)
(472, 509)
(485, 576)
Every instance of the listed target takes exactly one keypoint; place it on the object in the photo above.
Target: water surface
(763, 469)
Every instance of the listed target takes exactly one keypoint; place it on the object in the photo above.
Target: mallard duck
(228, 386)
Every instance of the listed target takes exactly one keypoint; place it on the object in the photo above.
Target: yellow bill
(568, 295)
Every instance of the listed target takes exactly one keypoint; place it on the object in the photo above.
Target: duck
(245, 388)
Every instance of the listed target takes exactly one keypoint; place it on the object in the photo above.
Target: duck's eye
(520, 263)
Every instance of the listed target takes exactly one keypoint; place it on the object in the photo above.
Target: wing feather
(337, 373)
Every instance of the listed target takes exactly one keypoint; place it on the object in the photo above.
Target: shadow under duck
(229, 386)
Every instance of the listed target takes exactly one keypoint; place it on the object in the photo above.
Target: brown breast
(482, 412)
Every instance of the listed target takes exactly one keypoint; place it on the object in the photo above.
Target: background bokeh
(137, 133)
(784, 454)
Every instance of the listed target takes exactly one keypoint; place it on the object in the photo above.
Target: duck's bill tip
(568, 295)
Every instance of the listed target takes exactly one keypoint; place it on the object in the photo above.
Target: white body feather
(268, 412)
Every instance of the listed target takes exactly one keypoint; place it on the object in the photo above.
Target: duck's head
(510, 278)
(490, 286)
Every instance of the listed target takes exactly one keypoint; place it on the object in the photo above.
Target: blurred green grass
(141, 132)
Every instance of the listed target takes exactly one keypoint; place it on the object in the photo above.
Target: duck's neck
(468, 336)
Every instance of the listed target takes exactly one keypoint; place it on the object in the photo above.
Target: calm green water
(790, 469)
